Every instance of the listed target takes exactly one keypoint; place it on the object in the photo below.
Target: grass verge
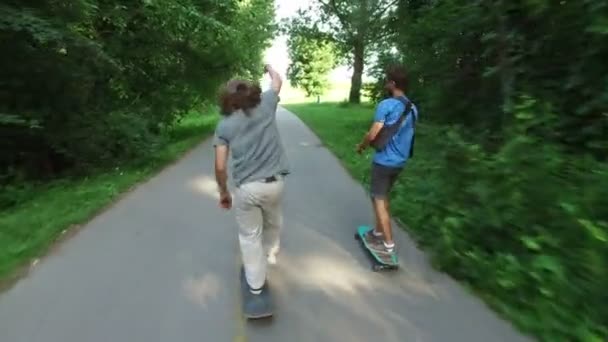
(341, 127)
(521, 226)
(29, 229)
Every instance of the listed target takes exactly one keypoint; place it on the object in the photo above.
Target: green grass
(29, 229)
(337, 92)
(341, 127)
(479, 246)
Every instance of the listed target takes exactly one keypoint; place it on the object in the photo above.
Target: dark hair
(397, 74)
(239, 95)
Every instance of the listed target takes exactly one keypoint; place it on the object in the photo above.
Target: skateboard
(380, 262)
(255, 306)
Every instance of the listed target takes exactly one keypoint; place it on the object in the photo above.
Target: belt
(271, 179)
(275, 178)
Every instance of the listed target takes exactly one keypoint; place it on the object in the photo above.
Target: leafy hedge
(526, 226)
(516, 203)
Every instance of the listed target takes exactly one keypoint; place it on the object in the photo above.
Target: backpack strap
(388, 131)
(406, 112)
(408, 109)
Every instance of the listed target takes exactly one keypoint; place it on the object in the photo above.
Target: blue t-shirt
(397, 150)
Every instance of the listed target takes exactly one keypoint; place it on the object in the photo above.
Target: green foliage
(46, 209)
(525, 224)
(375, 90)
(95, 95)
(311, 62)
(515, 205)
(91, 82)
(355, 27)
(472, 59)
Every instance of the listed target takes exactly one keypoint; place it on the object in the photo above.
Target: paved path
(161, 265)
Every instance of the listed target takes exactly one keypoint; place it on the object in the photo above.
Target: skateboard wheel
(377, 268)
(357, 237)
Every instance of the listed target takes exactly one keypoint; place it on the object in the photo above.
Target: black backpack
(388, 131)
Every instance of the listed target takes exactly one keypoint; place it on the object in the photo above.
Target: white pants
(259, 217)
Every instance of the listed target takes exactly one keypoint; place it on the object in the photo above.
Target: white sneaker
(272, 258)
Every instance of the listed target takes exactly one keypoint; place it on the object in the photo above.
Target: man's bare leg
(387, 226)
(383, 220)
(378, 230)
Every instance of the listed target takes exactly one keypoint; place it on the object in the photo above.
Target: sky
(277, 55)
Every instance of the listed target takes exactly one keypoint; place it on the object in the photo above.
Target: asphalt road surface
(162, 265)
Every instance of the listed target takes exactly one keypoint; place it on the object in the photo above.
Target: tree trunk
(356, 81)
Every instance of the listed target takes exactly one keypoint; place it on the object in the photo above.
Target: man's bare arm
(275, 79)
(221, 168)
(371, 134)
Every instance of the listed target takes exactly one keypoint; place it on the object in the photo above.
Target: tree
(355, 26)
(521, 101)
(311, 62)
(87, 83)
(475, 58)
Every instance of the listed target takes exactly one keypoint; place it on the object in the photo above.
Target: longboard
(255, 306)
(380, 262)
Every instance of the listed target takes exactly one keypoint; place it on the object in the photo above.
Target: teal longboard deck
(255, 306)
(380, 261)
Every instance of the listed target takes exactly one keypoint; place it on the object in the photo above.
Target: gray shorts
(383, 179)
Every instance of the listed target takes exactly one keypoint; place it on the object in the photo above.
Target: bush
(516, 205)
(526, 226)
(523, 223)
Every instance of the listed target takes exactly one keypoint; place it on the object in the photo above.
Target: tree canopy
(88, 82)
(311, 62)
(480, 58)
(519, 192)
(356, 27)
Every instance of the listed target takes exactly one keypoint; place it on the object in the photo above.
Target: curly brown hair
(239, 95)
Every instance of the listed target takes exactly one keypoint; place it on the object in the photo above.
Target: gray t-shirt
(255, 144)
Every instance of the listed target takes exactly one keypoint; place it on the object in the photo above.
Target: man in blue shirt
(391, 158)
